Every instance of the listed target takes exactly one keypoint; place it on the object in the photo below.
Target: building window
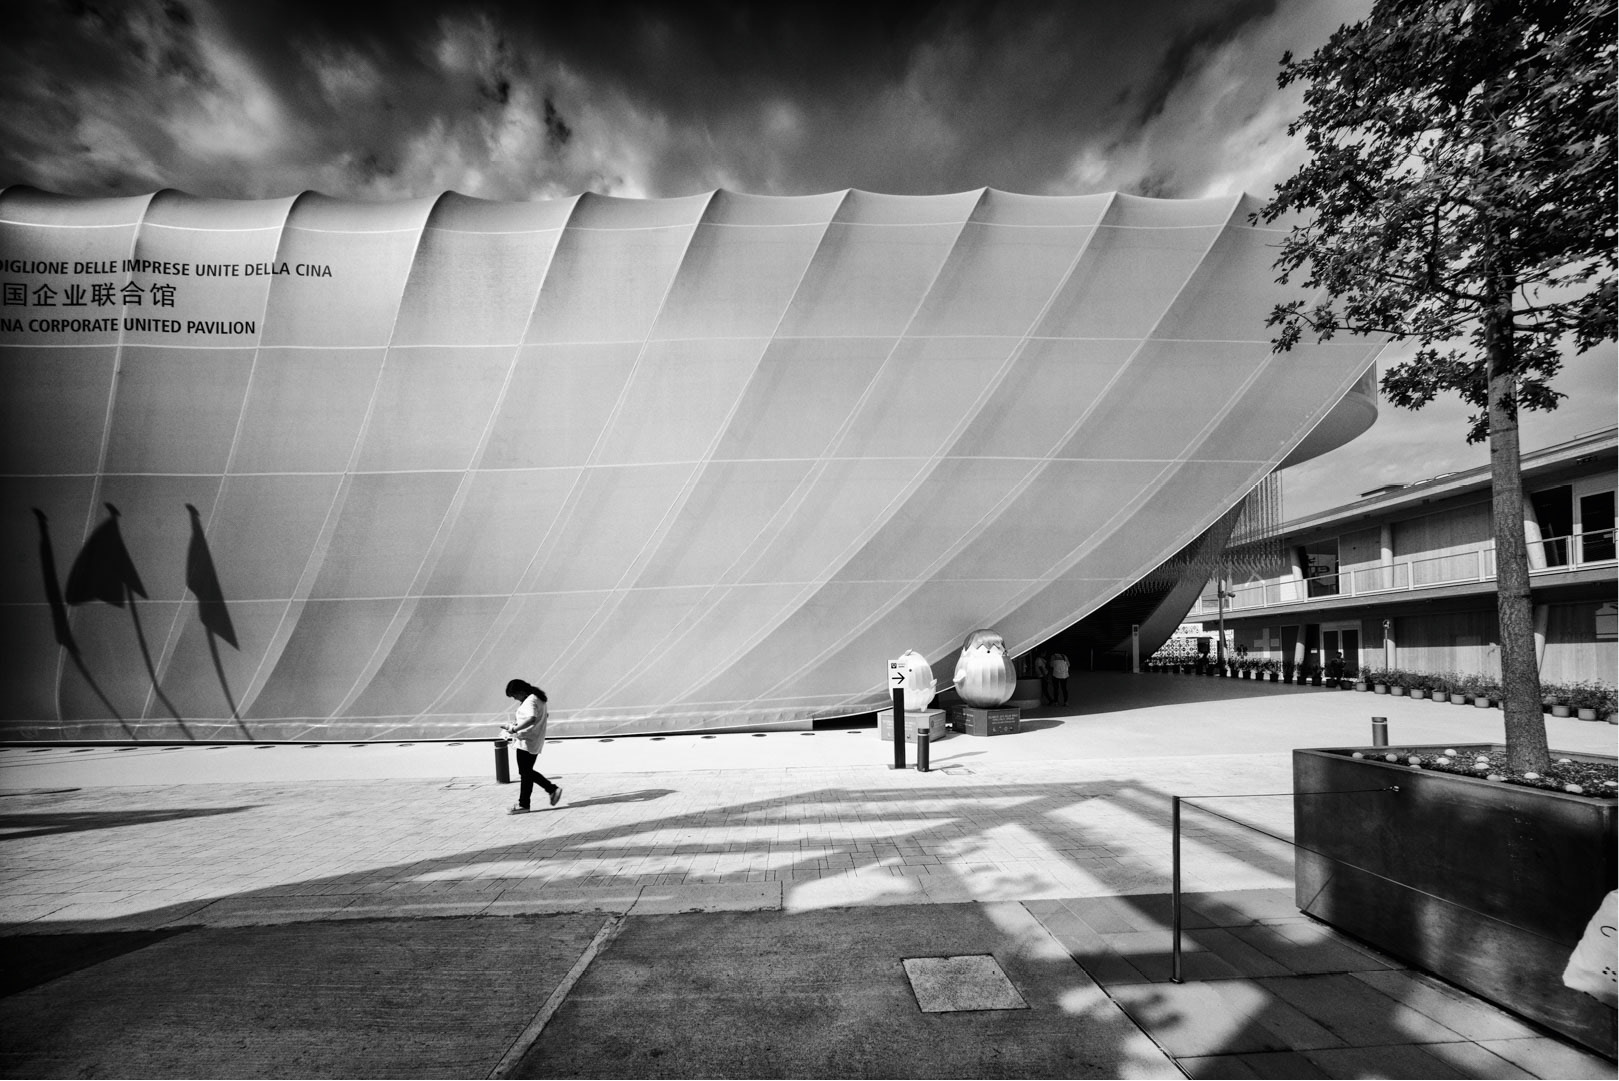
(1596, 527)
(1320, 562)
(1607, 622)
(1554, 512)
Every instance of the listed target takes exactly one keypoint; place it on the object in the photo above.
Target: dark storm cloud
(520, 100)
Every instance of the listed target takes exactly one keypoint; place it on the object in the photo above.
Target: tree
(1460, 194)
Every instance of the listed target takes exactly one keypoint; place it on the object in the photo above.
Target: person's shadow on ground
(642, 796)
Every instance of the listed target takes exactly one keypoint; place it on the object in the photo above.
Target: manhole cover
(958, 984)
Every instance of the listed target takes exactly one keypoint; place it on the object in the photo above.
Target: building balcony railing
(1550, 555)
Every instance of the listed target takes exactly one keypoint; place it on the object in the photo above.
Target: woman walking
(527, 730)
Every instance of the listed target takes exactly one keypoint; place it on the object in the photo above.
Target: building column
(1385, 553)
(1532, 535)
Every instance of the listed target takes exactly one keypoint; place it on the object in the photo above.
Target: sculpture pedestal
(931, 719)
(1000, 721)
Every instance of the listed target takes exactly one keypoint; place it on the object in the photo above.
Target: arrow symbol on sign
(899, 677)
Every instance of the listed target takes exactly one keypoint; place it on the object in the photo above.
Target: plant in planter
(1399, 682)
(1487, 693)
(1378, 678)
(1551, 698)
(1466, 686)
(1358, 677)
(1417, 684)
(1554, 699)
(1593, 700)
(1439, 685)
(1333, 671)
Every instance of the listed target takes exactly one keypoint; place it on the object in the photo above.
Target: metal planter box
(1484, 884)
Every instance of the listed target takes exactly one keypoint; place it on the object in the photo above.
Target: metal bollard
(1380, 731)
(899, 728)
(503, 762)
(923, 735)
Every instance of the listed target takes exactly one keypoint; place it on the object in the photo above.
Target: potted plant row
(1590, 700)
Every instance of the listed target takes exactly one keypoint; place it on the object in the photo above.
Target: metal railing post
(1175, 889)
(1380, 731)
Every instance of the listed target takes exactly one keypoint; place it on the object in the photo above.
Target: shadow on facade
(105, 571)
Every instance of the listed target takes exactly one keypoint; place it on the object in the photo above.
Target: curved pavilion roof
(683, 462)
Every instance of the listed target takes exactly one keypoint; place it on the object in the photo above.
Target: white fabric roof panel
(686, 463)
(54, 409)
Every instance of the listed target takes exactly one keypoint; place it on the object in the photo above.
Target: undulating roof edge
(1231, 207)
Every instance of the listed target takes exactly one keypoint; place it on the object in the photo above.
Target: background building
(1405, 576)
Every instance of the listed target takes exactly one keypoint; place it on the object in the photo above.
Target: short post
(923, 735)
(1380, 731)
(1175, 889)
(503, 764)
(899, 728)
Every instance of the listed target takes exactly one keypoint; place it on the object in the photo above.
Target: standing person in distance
(527, 730)
(1042, 672)
(1059, 678)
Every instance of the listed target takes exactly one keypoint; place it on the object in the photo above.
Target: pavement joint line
(530, 1035)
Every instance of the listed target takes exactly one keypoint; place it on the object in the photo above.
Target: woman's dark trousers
(530, 777)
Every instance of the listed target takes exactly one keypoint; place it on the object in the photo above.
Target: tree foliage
(1460, 192)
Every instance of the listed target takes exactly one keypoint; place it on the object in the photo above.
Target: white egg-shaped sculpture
(985, 675)
(919, 683)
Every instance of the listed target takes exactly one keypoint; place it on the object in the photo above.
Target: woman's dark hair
(521, 689)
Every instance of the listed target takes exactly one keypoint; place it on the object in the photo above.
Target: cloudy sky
(534, 100)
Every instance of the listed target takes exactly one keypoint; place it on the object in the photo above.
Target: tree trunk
(1520, 671)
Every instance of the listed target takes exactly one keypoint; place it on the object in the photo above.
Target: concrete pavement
(721, 901)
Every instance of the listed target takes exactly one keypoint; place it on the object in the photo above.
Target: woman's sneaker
(556, 794)
(519, 809)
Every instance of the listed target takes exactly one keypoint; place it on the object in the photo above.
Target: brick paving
(147, 856)
(1079, 838)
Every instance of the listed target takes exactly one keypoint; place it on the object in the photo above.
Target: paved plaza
(726, 905)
